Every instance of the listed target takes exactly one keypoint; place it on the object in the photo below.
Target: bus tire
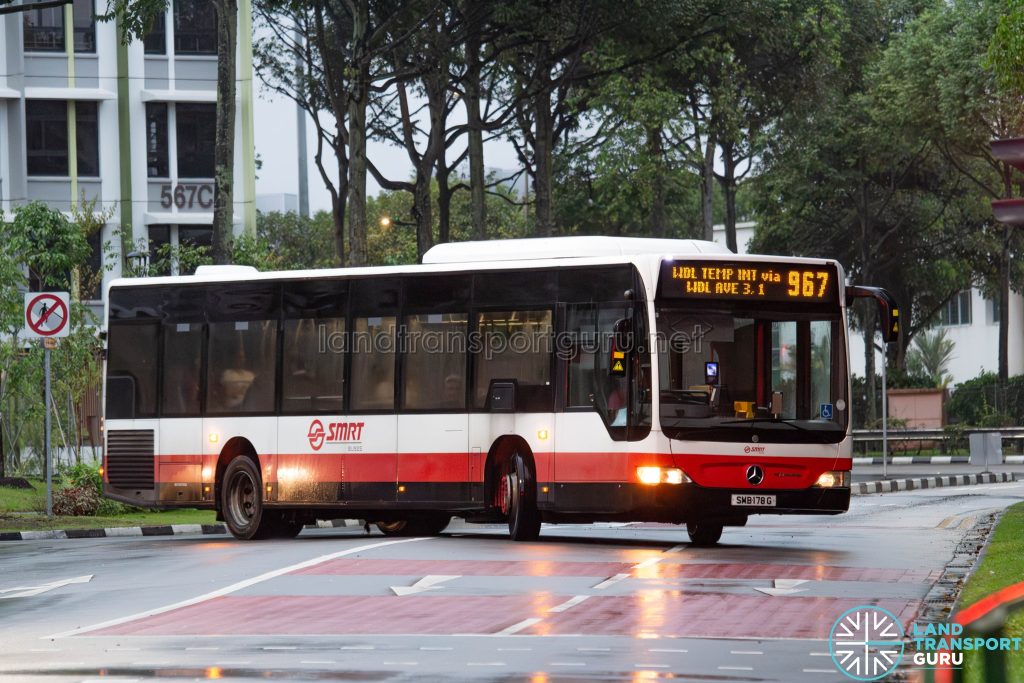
(423, 524)
(242, 501)
(703, 534)
(523, 517)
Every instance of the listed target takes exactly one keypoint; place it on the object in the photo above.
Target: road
(611, 602)
(874, 472)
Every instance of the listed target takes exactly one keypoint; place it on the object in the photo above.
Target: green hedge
(984, 402)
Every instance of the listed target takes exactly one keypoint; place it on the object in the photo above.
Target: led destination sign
(748, 281)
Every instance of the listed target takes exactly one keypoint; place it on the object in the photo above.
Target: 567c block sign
(47, 315)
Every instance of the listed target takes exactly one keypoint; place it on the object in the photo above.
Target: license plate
(753, 499)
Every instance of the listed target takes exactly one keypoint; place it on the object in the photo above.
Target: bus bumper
(688, 502)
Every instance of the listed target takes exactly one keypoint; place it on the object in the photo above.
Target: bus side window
(373, 363)
(314, 345)
(515, 344)
(242, 358)
(314, 365)
(132, 364)
(183, 350)
(434, 374)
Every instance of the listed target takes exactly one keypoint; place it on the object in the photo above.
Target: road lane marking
(746, 652)
(29, 591)
(233, 588)
(571, 602)
(516, 628)
(650, 666)
(666, 649)
(280, 647)
(401, 663)
(436, 649)
(189, 649)
(515, 649)
(427, 583)
(593, 649)
(819, 671)
(735, 668)
(485, 663)
(567, 664)
(611, 581)
(358, 647)
(318, 661)
(821, 654)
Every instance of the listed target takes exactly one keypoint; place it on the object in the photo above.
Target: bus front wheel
(703, 534)
(523, 517)
(242, 501)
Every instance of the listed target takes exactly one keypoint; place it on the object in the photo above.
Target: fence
(951, 440)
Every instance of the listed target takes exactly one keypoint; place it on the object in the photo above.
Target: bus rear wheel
(422, 524)
(703, 534)
(523, 517)
(242, 501)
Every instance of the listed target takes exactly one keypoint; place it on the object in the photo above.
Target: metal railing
(946, 439)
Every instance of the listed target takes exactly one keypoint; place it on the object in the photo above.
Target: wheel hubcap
(243, 499)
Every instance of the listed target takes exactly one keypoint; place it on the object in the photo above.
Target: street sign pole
(46, 317)
(46, 438)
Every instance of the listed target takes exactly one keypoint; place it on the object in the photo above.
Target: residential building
(132, 126)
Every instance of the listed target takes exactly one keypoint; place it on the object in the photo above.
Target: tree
(938, 77)
(134, 18)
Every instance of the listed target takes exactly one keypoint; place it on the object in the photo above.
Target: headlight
(661, 475)
(832, 479)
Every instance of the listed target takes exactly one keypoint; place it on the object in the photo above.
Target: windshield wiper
(754, 420)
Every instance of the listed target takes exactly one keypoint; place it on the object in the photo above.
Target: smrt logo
(336, 432)
(753, 449)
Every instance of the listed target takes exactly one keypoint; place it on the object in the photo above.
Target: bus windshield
(742, 372)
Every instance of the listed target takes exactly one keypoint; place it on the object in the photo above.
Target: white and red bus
(564, 380)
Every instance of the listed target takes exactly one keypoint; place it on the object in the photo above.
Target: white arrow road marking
(427, 583)
(783, 587)
(29, 591)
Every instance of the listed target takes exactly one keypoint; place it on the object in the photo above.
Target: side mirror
(888, 310)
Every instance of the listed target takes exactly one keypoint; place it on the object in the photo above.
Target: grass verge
(21, 500)
(1002, 566)
(37, 522)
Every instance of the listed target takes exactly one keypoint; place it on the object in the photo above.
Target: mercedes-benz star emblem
(755, 475)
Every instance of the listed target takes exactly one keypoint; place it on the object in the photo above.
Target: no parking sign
(47, 314)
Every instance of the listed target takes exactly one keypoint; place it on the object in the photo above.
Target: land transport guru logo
(335, 432)
(866, 643)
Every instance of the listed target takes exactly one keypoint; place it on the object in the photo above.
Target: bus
(556, 380)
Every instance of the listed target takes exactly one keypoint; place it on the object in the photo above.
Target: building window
(195, 27)
(44, 28)
(159, 248)
(85, 26)
(156, 140)
(992, 309)
(196, 130)
(155, 39)
(194, 236)
(46, 128)
(957, 310)
(88, 139)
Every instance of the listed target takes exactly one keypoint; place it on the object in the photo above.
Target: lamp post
(140, 262)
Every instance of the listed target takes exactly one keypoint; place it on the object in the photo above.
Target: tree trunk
(1004, 309)
(542, 162)
(728, 182)
(224, 144)
(357, 104)
(444, 203)
(708, 189)
(338, 205)
(477, 174)
(421, 210)
(659, 183)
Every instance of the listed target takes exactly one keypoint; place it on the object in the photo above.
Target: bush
(76, 501)
(83, 474)
(984, 402)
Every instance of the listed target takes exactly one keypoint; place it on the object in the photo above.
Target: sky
(276, 138)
